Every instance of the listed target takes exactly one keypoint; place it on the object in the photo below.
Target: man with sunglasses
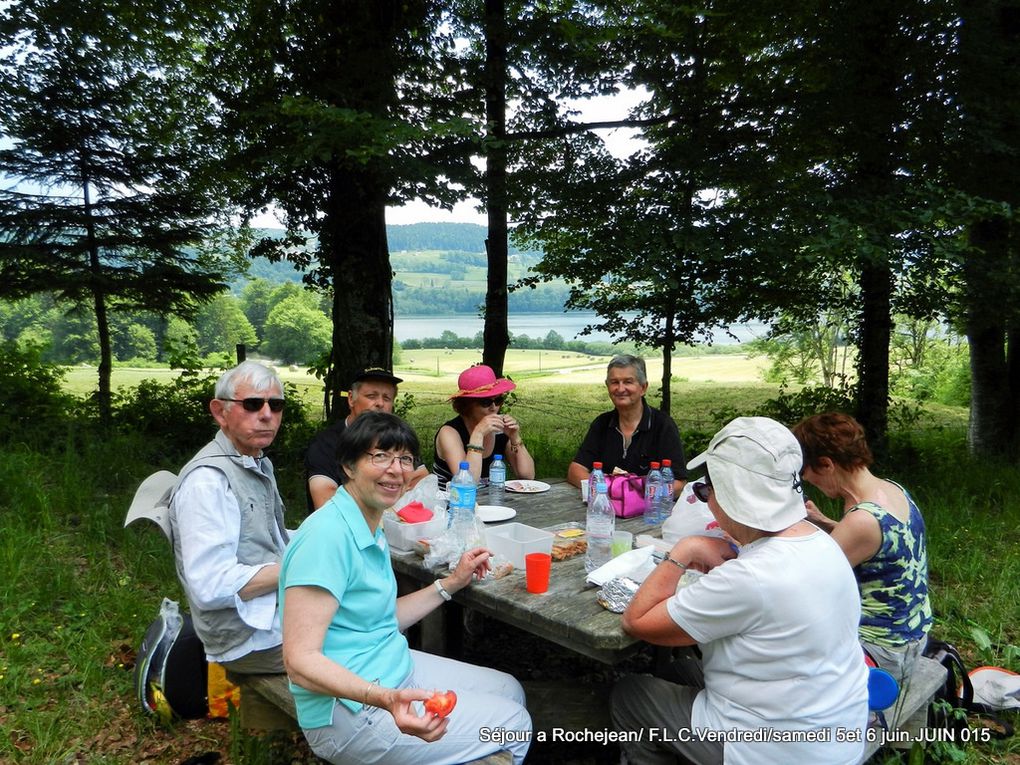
(373, 390)
(226, 519)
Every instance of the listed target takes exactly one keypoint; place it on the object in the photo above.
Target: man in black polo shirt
(634, 434)
(373, 389)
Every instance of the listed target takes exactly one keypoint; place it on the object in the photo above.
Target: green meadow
(77, 589)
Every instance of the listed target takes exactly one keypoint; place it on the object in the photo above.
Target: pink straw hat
(481, 382)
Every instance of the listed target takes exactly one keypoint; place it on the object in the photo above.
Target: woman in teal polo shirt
(356, 684)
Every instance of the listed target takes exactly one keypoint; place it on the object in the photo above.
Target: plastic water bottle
(463, 495)
(497, 479)
(596, 477)
(601, 523)
(666, 508)
(653, 495)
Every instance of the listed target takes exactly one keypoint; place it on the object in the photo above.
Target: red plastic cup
(536, 571)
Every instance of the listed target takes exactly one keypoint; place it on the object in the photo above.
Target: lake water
(568, 325)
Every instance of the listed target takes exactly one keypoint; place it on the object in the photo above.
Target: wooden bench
(267, 704)
(909, 714)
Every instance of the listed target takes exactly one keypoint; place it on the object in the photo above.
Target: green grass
(77, 589)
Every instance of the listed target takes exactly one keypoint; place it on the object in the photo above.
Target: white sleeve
(725, 601)
(209, 526)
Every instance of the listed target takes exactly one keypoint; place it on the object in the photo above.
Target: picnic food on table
(500, 569)
(568, 542)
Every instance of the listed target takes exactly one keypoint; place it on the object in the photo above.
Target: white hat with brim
(755, 464)
(996, 687)
(152, 501)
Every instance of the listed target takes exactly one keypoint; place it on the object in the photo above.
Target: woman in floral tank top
(882, 534)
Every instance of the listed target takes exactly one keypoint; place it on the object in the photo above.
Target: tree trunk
(104, 398)
(992, 431)
(495, 336)
(667, 362)
(989, 36)
(353, 246)
(874, 339)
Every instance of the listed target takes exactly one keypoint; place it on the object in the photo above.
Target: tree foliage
(222, 325)
(663, 234)
(101, 204)
(341, 108)
(296, 332)
(783, 156)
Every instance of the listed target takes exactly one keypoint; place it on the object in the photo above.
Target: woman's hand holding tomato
(427, 727)
(441, 704)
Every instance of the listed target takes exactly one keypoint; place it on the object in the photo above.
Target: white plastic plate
(494, 513)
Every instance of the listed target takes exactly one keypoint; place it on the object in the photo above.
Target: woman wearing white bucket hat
(784, 676)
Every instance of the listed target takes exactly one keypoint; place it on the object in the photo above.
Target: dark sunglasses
(702, 490)
(255, 404)
(485, 403)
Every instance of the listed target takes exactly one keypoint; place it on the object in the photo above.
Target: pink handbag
(627, 494)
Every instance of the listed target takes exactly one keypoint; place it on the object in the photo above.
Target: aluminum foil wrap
(616, 594)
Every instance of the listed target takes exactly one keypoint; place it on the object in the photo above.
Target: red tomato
(441, 704)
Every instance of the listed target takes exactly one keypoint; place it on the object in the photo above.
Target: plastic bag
(221, 692)
(446, 548)
(690, 517)
(427, 492)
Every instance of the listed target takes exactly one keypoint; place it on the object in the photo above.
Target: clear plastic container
(515, 540)
(596, 477)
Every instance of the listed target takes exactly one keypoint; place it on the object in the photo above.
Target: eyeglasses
(255, 404)
(384, 460)
(702, 490)
(485, 403)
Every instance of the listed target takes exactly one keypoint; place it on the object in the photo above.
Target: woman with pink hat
(479, 431)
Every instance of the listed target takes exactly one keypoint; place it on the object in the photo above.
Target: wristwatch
(442, 590)
(678, 564)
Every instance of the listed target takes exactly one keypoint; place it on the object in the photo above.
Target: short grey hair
(260, 377)
(625, 360)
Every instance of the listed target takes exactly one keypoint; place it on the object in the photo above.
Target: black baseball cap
(376, 373)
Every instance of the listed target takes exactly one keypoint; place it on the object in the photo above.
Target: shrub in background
(33, 400)
(175, 417)
(943, 375)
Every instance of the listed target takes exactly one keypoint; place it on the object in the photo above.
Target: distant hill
(416, 237)
(438, 268)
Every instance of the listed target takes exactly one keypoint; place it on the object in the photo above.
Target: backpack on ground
(171, 673)
(954, 700)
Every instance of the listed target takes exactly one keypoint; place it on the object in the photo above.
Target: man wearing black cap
(372, 389)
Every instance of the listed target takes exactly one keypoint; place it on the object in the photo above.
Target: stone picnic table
(567, 614)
